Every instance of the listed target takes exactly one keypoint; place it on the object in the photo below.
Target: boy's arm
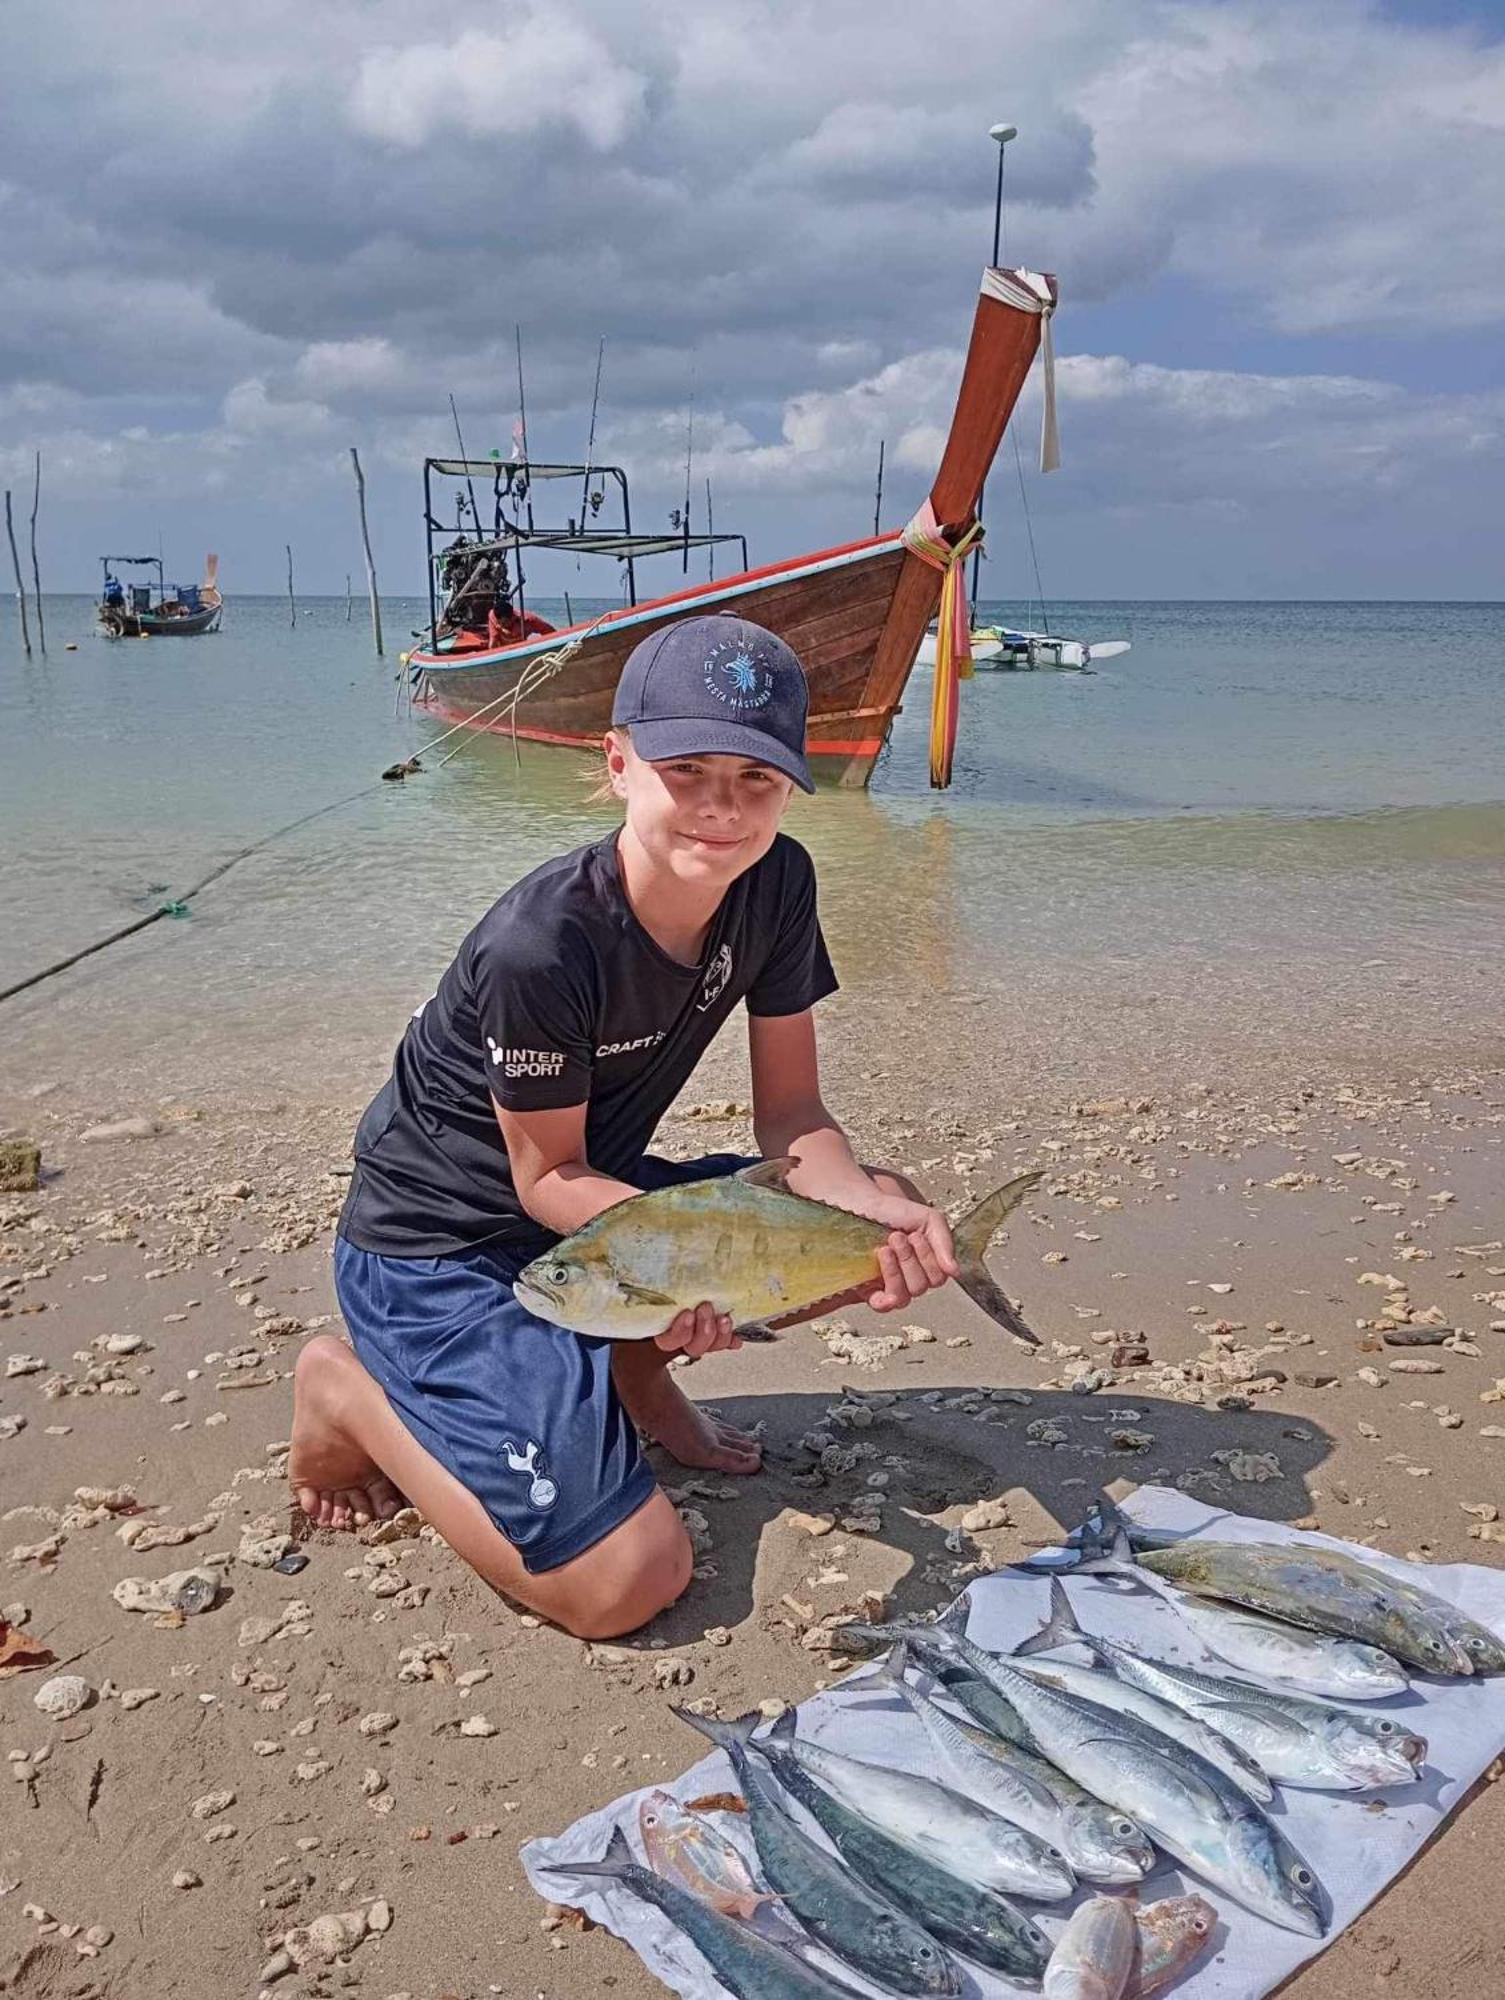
(790, 1118)
(560, 1188)
(555, 1182)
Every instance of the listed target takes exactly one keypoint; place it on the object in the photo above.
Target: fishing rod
(590, 443)
(475, 517)
(689, 456)
(710, 528)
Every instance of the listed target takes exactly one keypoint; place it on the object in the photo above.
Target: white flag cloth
(1029, 292)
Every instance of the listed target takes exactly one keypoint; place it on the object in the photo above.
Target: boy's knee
(631, 1585)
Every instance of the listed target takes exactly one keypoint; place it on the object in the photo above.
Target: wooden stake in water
(36, 575)
(292, 602)
(10, 530)
(348, 605)
(360, 494)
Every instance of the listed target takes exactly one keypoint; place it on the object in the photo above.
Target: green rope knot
(174, 909)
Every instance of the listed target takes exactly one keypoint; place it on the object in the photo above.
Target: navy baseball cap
(700, 687)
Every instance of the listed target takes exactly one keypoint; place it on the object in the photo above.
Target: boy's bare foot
(335, 1482)
(659, 1407)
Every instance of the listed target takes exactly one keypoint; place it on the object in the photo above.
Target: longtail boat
(856, 614)
(130, 611)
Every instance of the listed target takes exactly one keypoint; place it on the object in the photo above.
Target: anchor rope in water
(533, 676)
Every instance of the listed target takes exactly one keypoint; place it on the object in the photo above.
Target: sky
(237, 244)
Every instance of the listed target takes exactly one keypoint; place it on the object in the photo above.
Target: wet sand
(389, 1730)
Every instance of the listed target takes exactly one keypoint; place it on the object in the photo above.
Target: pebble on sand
(63, 1696)
(188, 1591)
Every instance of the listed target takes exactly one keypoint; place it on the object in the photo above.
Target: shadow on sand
(942, 1450)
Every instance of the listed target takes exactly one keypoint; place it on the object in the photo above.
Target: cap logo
(734, 676)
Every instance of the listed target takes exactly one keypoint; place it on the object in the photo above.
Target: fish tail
(617, 1861)
(1059, 1629)
(1119, 1557)
(972, 1235)
(953, 1620)
(890, 1671)
(733, 1737)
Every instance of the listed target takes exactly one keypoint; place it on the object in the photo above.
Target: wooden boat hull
(830, 608)
(119, 624)
(855, 614)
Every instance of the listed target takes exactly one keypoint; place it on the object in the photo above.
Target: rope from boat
(953, 636)
(532, 677)
(177, 906)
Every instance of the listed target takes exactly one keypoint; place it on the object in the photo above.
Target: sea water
(1269, 832)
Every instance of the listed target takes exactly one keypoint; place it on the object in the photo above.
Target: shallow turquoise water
(1277, 821)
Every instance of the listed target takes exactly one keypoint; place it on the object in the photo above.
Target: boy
(522, 1100)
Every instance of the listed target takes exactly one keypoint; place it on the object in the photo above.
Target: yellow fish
(746, 1242)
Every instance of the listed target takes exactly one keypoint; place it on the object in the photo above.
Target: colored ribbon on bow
(953, 640)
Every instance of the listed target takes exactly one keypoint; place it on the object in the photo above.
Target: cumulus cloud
(788, 207)
(548, 70)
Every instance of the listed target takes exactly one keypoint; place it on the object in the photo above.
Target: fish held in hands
(747, 1242)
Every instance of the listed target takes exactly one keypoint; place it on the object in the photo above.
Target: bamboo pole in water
(360, 494)
(10, 530)
(292, 602)
(36, 575)
(348, 604)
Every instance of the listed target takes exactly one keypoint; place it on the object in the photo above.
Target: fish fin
(1267, 1718)
(972, 1234)
(643, 1295)
(1059, 1629)
(783, 1729)
(768, 1173)
(616, 1861)
(756, 1330)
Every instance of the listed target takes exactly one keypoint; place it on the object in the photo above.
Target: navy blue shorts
(524, 1414)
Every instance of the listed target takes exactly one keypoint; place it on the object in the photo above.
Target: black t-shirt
(558, 997)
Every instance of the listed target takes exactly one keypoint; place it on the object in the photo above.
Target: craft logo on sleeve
(631, 1047)
(717, 977)
(734, 675)
(525, 1062)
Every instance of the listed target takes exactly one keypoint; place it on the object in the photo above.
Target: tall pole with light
(1000, 135)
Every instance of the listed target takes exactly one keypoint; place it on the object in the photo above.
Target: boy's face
(704, 819)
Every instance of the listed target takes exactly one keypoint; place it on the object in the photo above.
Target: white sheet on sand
(1355, 1849)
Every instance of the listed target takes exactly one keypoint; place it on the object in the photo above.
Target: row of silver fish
(1305, 1586)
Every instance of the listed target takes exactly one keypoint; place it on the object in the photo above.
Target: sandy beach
(377, 1731)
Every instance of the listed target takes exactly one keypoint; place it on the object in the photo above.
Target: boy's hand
(697, 1331)
(918, 1256)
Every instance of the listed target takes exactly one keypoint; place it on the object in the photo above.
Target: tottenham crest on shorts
(542, 1491)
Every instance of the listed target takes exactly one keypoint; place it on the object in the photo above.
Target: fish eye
(1199, 1926)
(1123, 1828)
(1302, 1877)
(650, 1819)
(559, 1274)
(1384, 1726)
